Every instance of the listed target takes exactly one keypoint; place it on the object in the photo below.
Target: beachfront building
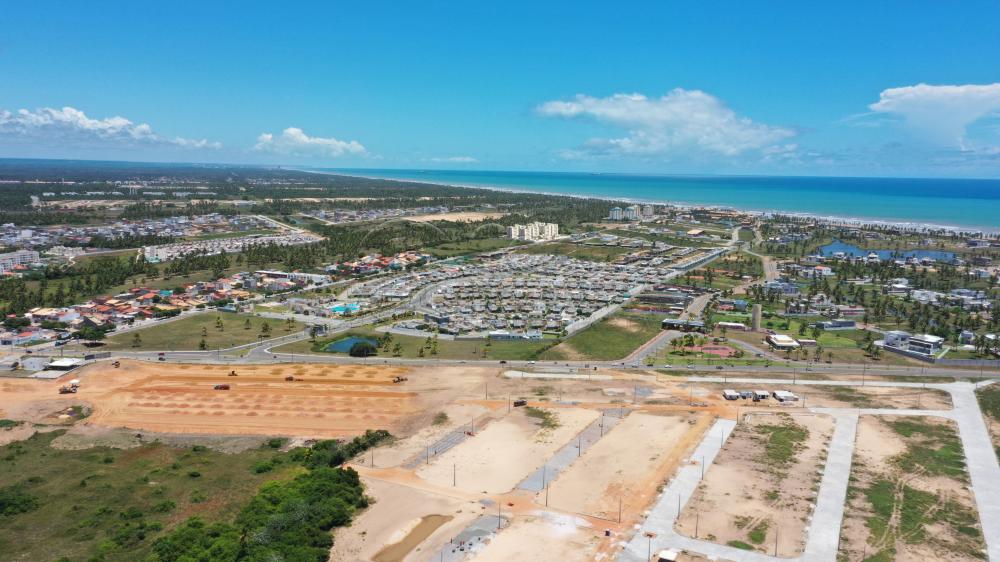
(647, 211)
(616, 214)
(533, 231)
(632, 213)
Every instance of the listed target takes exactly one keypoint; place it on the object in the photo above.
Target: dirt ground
(542, 536)
(323, 401)
(459, 416)
(821, 396)
(455, 217)
(629, 460)
(391, 520)
(941, 526)
(744, 490)
(499, 456)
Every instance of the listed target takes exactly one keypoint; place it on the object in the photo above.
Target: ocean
(958, 203)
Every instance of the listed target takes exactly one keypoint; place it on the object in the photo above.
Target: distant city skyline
(907, 89)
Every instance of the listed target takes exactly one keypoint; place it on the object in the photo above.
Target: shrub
(14, 500)
(362, 349)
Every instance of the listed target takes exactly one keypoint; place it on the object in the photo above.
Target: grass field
(111, 504)
(989, 402)
(410, 347)
(608, 339)
(578, 251)
(186, 333)
(452, 249)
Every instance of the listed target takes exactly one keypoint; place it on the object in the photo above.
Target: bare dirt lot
(823, 396)
(455, 217)
(908, 498)
(627, 463)
(390, 529)
(542, 536)
(766, 478)
(322, 401)
(499, 456)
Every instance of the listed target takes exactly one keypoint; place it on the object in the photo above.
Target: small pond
(344, 345)
(852, 250)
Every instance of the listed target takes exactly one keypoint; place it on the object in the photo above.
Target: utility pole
(619, 509)
(454, 474)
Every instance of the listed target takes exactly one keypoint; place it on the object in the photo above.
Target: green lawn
(452, 249)
(578, 251)
(111, 504)
(608, 339)
(186, 333)
(410, 347)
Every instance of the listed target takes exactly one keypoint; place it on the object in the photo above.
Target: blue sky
(873, 88)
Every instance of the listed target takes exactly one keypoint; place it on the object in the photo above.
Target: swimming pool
(351, 307)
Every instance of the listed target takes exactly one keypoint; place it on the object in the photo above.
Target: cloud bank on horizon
(934, 122)
(69, 125)
(680, 120)
(295, 142)
(944, 113)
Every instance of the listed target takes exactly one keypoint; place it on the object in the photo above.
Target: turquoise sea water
(966, 203)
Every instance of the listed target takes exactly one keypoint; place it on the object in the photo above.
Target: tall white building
(647, 211)
(632, 213)
(616, 214)
(533, 231)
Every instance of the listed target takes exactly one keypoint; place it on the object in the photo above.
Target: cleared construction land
(321, 401)
(909, 496)
(626, 465)
(759, 492)
(498, 457)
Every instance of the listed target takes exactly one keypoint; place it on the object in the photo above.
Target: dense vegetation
(160, 503)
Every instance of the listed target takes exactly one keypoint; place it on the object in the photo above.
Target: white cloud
(942, 112)
(681, 120)
(293, 141)
(452, 159)
(72, 126)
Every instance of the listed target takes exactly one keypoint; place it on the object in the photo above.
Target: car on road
(719, 367)
(668, 366)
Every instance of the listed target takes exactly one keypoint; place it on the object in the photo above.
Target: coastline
(829, 219)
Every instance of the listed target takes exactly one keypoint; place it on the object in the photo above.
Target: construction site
(493, 464)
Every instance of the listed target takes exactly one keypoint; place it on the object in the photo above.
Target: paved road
(664, 513)
(823, 533)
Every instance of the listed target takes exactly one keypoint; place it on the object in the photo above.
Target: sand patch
(397, 512)
(628, 459)
(543, 537)
(747, 493)
(497, 458)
